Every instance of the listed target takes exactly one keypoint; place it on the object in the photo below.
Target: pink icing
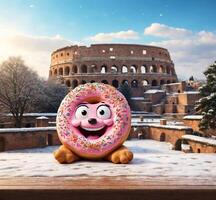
(118, 125)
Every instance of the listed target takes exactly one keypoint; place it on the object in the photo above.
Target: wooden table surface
(107, 188)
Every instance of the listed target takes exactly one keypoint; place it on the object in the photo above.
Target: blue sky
(186, 28)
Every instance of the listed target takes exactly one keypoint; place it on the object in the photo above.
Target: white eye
(81, 112)
(104, 112)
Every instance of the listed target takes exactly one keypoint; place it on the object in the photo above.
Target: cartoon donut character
(93, 121)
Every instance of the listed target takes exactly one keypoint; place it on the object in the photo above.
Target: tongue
(93, 137)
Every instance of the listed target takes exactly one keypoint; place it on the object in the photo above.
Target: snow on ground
(151, 159)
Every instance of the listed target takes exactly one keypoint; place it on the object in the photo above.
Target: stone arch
(103, 69)
(83, 69)
(74, 69)
(115, 83)
(105, 82)
(83, 82)
(153, 69)
(74, 83)
(154, 83)
(2, 144)
(134, 83)
(168, 81)
(162, 69)
(55, 72)
(68, 83)
(133, 69)
(114, 69)
(61, 71)
(177, 145)
(143, 69)
(125, 82)
(93, 68)
(162, 137)
(162, 82)
(124, 69)
(168, 70)
(145, 82)
(66, 70)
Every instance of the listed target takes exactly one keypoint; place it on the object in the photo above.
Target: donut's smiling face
(92, 120)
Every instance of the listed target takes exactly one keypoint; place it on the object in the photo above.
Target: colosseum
(140, 66)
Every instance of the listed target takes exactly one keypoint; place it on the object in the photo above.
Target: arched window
(145, 82)
(115, 83)
(168, 82)
(83, 82)
(162, 82)
(143, 69)
(68, 83)
(125, 82)
(74, 83)
(154, 83)
(60, 71)
(124, 69)
(103, 69)
(67, 70)
(74, 69)
(153, 69)
(133, 69)
(92, 81)
(168, 70)
(55, 72)
(134, 84)
(104, 81)
(93, 68)
(114, 69)
(162, 137)
(83, 69)
(162, 69)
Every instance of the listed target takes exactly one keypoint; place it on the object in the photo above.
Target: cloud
(191, 52)
(164, 31)
(108, 37)
(35, 50)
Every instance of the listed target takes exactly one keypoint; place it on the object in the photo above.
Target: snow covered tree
(206, 106)
(18, 87)
(51, 95)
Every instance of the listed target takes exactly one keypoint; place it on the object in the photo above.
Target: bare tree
(19, 87)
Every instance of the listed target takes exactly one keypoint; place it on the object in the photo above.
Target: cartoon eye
(81, 112)
(104, 112)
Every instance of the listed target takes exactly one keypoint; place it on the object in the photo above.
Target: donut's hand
(64, 155)
(120, 156)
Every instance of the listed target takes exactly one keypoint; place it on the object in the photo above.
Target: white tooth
(93, 129)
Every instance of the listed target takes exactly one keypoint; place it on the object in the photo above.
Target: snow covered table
(155, 173)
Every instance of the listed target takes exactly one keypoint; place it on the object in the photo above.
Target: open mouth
(92, 133)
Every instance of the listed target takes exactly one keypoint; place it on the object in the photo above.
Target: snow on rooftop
(192, 92)
(34, 114)
(15, 130)
(151, 159)
(171, 126)
(153, 91)
(42, 117)
(195, 117)
(200, 139)
(137, 98)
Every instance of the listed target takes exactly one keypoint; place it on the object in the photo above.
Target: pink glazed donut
(93, 120)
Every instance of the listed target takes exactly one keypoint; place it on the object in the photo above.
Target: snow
(137, 98)
(151, 159)
(34, 114)
(15, 130)
(192, 92)
(193, 117)
(42, 117)
(200, 139)
(171, 126)
(153, 91)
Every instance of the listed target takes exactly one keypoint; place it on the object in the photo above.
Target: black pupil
(102, 112)
(84, 112)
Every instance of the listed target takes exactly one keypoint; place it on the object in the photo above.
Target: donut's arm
(121, 155)
(65, 155)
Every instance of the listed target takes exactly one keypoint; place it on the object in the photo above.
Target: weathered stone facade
(139, 65)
